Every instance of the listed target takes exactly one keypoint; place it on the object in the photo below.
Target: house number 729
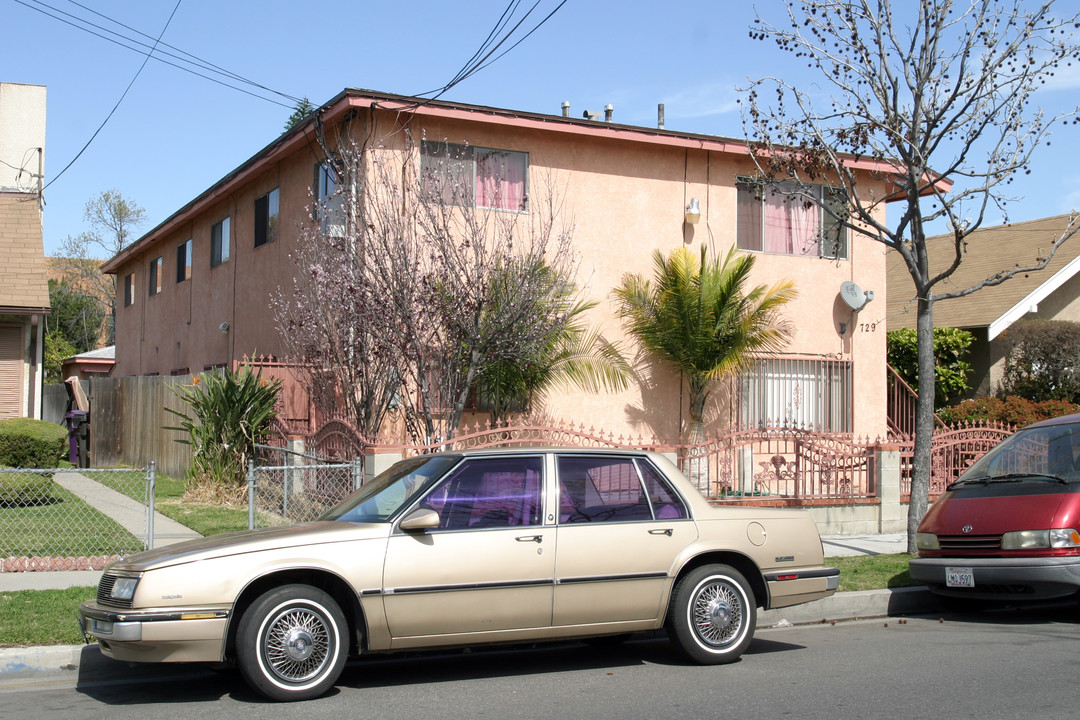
(868, 327)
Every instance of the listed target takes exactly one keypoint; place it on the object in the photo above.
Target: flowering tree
(942, 94)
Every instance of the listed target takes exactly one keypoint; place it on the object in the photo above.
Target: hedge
(24, 489)
(28, 443)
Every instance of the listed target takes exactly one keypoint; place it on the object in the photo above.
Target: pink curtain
(500, 179)
(792, 223)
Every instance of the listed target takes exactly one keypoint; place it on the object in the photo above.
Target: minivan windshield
(1050, 452)
(380, 499)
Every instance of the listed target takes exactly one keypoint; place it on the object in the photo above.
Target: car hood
(250, 541)
(979, 510)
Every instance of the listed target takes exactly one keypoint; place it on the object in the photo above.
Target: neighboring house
(1052, 293)
(24, 289)
(94, 363)
(194, 292)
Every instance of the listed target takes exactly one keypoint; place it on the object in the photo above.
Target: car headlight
(124, 588)
(926, 541)
(1025, 540)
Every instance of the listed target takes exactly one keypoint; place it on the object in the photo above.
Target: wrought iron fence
(73, 519)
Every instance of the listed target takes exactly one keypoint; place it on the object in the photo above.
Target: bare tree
(113, 222)
(406, 290)
(940, 93)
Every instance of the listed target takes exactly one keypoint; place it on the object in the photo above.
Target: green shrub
(28, 443)
(1041, 360)
(1012, 410)
(952, 346)
(24, 489)
(232, 411)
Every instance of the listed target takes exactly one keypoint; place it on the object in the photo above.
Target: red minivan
(1009, 528)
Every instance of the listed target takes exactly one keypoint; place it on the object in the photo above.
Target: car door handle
(667, 531)
(530, 538)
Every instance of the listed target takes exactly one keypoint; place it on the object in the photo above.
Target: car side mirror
(420, 519)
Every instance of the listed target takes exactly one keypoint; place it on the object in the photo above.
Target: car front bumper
(156, 635)
(997, 578)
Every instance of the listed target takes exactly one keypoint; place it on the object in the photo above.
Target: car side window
(666, 503)
(601, 489)
(489, 493)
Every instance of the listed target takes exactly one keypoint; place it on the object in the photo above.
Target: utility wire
(111, 36)
(117, 105)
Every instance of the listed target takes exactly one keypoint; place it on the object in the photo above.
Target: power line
(117, 105)
(155, 51)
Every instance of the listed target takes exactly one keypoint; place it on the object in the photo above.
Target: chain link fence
(289, 487)
(73, 519)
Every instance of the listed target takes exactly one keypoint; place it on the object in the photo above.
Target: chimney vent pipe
(566, 108)
(660, 116)
(609, 110)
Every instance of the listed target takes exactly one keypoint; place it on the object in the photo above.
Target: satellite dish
(854, 296)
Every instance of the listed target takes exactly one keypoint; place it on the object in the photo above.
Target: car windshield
(381, 498)
(1050, 452)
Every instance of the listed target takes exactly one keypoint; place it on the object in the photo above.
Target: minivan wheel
(712, 615)
(292, 643)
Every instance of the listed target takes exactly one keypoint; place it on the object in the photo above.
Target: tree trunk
(924, 418)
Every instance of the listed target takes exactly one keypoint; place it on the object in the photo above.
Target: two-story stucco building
(194, 292)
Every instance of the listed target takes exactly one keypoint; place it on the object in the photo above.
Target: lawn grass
(67, 527)
(41, 617)
(873, 572)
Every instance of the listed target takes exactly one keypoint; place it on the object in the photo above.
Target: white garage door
(11, 371)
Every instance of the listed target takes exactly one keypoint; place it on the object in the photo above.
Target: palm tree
(696, 315)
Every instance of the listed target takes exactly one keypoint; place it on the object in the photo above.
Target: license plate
(959, 577)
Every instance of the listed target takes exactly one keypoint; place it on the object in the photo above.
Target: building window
(328, 211)
(790, 219)
(129, 289)
(473, 176)
(155, 276)
(219, 243)
(797, 393)
(183, 261)
(266, 218)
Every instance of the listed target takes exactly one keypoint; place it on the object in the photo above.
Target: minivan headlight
(1040, 539)
(926, 541)
(124, 588)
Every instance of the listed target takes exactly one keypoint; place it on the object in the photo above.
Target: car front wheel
(712, 615)
(292, 643)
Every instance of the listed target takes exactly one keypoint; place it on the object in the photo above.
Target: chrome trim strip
(467, 586)
(121, 616)
(611, 578)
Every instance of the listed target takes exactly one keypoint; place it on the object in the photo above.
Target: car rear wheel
(292, 643)
(712, 615)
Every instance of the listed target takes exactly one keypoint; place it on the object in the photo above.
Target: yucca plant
(230, 412)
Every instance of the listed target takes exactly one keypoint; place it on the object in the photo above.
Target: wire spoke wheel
(296, 644)
(292, 643)
(712, 614)
(717, 613)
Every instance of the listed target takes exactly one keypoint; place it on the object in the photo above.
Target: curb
(62, 662)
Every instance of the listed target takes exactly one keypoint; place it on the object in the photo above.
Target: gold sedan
(460, 549)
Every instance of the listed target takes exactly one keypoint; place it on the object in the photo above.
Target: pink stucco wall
(625, 195)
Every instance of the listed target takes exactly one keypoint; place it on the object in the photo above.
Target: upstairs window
(183, 261)
(219, 243)
(329, 211)
(155, 276)
(790, 219)
(129, 289)
(468, 176)
(266, 218)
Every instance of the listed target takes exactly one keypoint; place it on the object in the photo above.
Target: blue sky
(175, 134)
